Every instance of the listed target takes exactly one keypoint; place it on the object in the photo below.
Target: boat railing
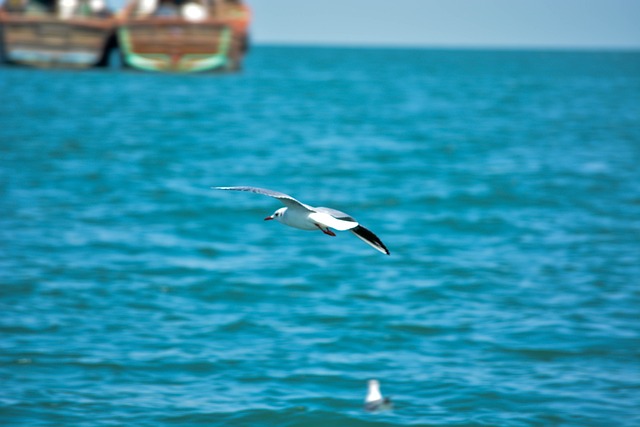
(61, 9)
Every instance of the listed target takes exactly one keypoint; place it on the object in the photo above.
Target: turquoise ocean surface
(505, 183)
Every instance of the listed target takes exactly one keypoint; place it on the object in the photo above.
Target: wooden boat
(184, 35)
(56, 33)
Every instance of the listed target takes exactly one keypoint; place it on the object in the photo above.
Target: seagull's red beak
(268, 218)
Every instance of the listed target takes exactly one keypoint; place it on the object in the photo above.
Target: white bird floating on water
(299, 215)
(374, 400)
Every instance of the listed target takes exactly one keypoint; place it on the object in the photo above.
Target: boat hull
(52, 42)
(180, 46)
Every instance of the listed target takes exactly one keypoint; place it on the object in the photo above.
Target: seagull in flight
(299, 215)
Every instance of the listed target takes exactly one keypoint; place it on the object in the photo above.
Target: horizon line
(420, 46)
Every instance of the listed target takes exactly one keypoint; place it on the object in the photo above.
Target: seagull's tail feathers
(370, 239)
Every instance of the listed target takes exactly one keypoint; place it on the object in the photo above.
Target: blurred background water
(505, 184)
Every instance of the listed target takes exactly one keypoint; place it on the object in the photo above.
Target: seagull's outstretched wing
(333, 218)
(286, 200)
(342, 221)
(336, 214)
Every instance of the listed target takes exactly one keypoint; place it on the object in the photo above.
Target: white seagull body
(299, 215)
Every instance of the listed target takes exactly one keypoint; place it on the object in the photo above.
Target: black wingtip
(371, 239)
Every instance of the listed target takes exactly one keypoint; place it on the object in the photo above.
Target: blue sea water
(506, 185)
